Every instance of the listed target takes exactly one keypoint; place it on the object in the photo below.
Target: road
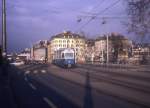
(41, 86)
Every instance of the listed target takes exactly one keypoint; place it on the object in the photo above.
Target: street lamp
(107, 43)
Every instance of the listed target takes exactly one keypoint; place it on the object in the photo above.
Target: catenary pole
(107, 41)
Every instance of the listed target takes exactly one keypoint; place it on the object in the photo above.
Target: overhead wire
(94, 16)
(95, 7)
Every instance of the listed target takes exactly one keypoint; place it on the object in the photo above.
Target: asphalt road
(35, 87)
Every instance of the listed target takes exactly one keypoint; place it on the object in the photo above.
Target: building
(118, 48)
(140, 53)
(25, 55)
(39, 51)
(89, 50)
(101, 49)
(49, 55)
(68, 39)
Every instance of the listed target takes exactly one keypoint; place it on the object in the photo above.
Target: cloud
(30, 20)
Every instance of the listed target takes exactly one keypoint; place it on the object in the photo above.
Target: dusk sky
(31, 20)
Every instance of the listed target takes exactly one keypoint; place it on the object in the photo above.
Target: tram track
(118, 72)
(110, 81)
(113, 80)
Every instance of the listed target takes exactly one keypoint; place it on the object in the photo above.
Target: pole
(102, 55)
(107, 50)
(4, 43)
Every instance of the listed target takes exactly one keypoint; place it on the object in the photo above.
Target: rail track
(113, 79)
(108, 77)
(144, 76)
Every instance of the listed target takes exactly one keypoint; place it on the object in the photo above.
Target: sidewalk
(6, 95)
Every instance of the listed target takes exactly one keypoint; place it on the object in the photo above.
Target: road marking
(49, 102)
(43, 71)
(27, 72)
(32, 86)
(35, 71)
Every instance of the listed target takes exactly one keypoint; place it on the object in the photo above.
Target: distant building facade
(118, 48)
(68, 39)
(39, 51)
(101, 49)
(49, 54)
(140, 53)
(25, 54)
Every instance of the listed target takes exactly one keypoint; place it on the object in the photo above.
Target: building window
(60, 41)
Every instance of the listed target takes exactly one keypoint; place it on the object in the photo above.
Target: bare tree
(117, 43)
(139, 13)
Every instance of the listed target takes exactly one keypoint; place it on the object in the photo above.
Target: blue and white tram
(64, 57)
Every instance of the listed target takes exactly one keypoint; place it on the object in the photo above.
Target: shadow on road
(88, 102)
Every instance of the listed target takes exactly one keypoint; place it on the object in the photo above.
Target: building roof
(67, 34)
(112, 36)
(41, 44)
(90, 42)
(141, 45)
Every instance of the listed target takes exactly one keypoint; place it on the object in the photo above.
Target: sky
(31, 20)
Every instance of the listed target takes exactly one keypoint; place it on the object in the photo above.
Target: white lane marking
(32, 86)
(49, 102)
(43, 71)
(27, 72)
(35, 71)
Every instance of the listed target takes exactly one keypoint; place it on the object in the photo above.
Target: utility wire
(94, 16)
(95, 7)
(98, 5)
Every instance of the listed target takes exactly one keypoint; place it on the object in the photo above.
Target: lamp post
(4, 37)
(107, 44)
(139, 54)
